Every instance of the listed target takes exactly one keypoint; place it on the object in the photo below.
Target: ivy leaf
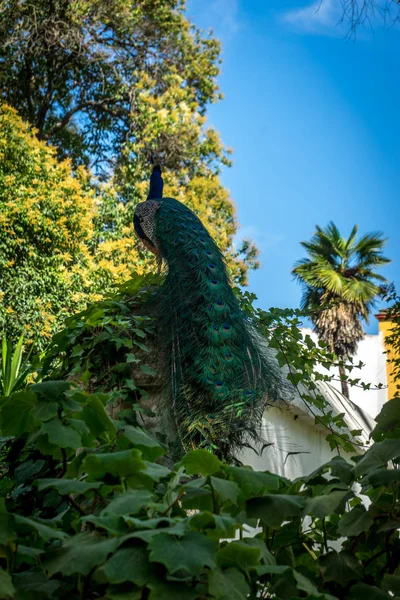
(355, 522)
(16, 415)
(201, 462)
(28, 469)
(129, 503)
(122, 464)
(378, 456)
(148, 370)
(227, 585)
(35, 585)
(67, 486)
(228, 491)
(265, 555)
(171, 591)
(383, 477)
(114, 524)
(51, 390)
(7, 589)
(391, 583)
(238, 555)
(340, 567)
(43, 530)
(361, 591)
(129, 564)
(192, 552)
(150, 448)
(96, 417)
(388, 419)
(254, 483)
(341, 469)
(322, 506)
(215, 526)
(80, 554)
(7, 527)
(60, 435)
(272, 509)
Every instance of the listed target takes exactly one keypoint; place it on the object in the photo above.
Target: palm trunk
(345, 387)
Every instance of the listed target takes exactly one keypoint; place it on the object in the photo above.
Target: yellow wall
(384, 327)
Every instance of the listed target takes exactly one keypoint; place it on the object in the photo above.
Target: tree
(358, 13)
(45, 228)
(340, 286)
(108, 82)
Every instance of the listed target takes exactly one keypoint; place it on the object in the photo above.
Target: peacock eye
(226, 327)
(211, 266)
(214, 281)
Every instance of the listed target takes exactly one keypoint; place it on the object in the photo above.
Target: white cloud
(220, 15)
(264, 240)
(319, 17)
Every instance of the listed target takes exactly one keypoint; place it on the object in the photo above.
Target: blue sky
(318, 115)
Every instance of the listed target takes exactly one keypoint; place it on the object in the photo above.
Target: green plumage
(219, 372)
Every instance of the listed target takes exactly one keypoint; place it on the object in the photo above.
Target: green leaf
(266, 557)
(148, 370)
(238, 555)
(7, 589)
(215, 526)
(391, 583)
(7, 525)
(388, 419)
(16, 415)
(171, 591)
(355, 522)
(340, 567)
(122, 464)
(129, 503)
(361, 591)
(254, 483)
(67, 486)
(272, 509)
(44, 531)
(45, 411)
(96, 417)
(129, 564)
(80, 554)
(52, 390)
(150, 448)
(378, 456)
(28, 469)
(227, 585)
(191, 553)
(114, 524)
(383, 477)
(227, 491)
(201, 462)
(322, 506)
(60, 435)
(34, 584)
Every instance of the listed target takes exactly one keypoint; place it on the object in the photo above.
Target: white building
(298, 445)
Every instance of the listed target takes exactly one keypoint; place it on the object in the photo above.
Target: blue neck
(156, 184)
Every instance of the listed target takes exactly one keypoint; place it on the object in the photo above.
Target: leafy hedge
(88, 509)
(94, 507)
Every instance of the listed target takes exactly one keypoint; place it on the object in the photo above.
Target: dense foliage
(340, 285)
(90, 509)
(107, 82)
(65, 241)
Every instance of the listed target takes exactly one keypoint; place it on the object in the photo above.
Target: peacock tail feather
(219, 373)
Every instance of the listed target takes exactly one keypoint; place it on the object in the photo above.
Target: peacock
(218, 371)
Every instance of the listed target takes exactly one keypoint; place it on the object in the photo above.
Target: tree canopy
(340, 284)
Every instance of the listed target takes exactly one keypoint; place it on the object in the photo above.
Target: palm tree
(340, 286)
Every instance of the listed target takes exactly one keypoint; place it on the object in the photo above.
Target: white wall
(371, 352)
(289, 431)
